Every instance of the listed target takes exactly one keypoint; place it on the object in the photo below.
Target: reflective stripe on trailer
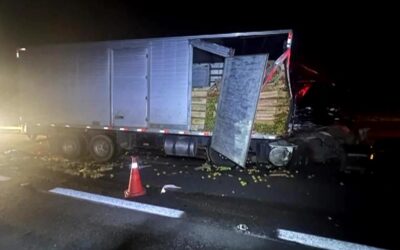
(152, 130)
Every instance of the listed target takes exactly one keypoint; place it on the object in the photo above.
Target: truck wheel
(218, 159)
(101, 148)
(71, 146)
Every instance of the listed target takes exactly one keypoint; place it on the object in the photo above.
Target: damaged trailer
(224, 97)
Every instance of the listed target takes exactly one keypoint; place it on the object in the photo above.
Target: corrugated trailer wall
(72, 84)
(169, 83)
(65, 84)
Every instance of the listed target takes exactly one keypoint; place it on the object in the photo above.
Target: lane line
(320, 242)
(4, 178)
(132, 205)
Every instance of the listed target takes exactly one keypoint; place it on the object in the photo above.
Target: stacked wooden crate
(272, 109)
(273, 105)
(199, 106)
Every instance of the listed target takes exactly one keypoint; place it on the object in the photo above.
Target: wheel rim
(69, 147)
(101, 148)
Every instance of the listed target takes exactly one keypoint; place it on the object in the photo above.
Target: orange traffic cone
(135, 187)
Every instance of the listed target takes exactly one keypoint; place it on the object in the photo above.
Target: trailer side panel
(169, 84)
(66, 84)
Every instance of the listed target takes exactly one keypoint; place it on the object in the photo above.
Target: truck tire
(71, 146)
(101, 148)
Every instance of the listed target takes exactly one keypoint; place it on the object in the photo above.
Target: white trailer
(105, 96)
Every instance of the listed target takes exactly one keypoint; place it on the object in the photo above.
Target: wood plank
(266, 112)
(274, 94)
(265, 117)
(199, 107)
(198, 121)
(272, 109)
(271, 122)
(198, 114)
(197, 127)
(199, 93)
(197, 100)
(272, 102)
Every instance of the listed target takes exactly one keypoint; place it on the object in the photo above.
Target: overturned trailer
(191, 96)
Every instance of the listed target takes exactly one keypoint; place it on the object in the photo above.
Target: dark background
(352, 44)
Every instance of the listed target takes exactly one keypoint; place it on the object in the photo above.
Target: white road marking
(320, 242)
(142, 207)
(4, 178)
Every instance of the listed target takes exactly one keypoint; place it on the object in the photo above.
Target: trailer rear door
(129, 87)
(237, 106)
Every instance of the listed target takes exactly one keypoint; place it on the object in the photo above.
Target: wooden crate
(200, 92)
(198, 100)
(199, 107)
(276, 93)
(198, 121)
(197, 127)
(272, 102)
(198, 114)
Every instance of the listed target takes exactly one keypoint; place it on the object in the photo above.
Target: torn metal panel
(213, 48)
(237, 106)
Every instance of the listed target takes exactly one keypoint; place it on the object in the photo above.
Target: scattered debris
(329, 218)
(242, 227)
(9, 151)
(144, 166)
(223, 168)
(341, 183)
(147, 186)
(25, 184)
(279, 175)
(243, 183)
(215, 174)
(169, 187)
(204, 167)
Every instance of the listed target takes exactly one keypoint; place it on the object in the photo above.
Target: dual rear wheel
(100, 147)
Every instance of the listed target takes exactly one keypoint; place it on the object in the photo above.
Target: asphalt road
(350, 208)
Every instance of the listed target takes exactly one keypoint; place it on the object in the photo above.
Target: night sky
(350, 45)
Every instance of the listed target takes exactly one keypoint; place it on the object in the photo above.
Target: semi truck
(188, 96)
